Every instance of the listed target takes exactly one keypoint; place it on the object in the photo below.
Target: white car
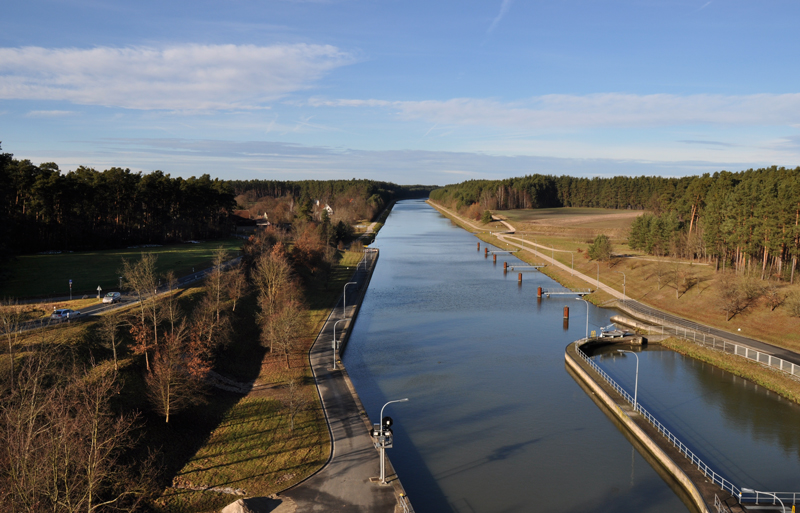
(64, 314)
(112, 297)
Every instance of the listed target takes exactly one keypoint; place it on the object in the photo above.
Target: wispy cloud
(49, 113)
(279, 160)
(708, 143)
(503, 10)
(186, 77)
(705, 5)
(560, 111)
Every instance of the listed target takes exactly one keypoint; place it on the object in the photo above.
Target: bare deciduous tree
(178, 374)
(236, 285)
(63, 446)
(142, 279)
(284, 329)
(107, 329)
(10, 327)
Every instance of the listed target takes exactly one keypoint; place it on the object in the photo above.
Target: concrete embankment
(687, 480)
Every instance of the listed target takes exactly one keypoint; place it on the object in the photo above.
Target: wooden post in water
(485, 252)
(505, 266)
(519, 280)
(494, 258)
(539, 292)
(479, 246)
(566, 312)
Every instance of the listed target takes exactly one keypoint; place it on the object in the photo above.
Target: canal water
(746, 433)
(494, 422)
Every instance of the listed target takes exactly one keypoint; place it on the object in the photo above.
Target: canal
(494, 422)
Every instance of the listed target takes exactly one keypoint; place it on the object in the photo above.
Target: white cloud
(503, 10)
(280, 160)
(560, 111)
(187, 77)
(49, 113)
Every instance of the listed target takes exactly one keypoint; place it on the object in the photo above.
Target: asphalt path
(344, 484)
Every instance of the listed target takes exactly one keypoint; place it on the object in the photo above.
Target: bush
(486, 217)
(600, 248)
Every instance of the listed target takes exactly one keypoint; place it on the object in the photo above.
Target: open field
(32, 276)
(579, 223)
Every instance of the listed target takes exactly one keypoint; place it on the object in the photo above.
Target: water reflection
(494, 423)
(746, 433)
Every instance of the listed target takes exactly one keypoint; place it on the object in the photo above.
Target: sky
(430, 92)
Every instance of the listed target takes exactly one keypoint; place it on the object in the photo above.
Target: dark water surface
(744, 432)
(494, 422)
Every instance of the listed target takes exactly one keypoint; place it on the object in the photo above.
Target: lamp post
(598, 275)
(756, 492)
(382, 439)
(623, 284)
(587, 315)
(572, 256)
(344, 300)
(334, 341)
(636, 383)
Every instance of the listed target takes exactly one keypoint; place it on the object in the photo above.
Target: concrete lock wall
(669, 465)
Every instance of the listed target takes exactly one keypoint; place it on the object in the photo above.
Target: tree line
(43, 209)
(748, 220)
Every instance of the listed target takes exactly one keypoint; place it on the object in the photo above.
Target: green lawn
(49, 275)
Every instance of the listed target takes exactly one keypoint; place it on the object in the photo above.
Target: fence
(705, 469)
(701, 335)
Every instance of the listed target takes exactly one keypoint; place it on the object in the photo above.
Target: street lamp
(572, 256)
(756, 492)
(344, 301)
(623, 284)
(636, 383)
(334, 341)
(587, 315)
(598, 275)
(382, 437)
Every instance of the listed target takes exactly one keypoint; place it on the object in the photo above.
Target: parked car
(112, 297)
(64, 314)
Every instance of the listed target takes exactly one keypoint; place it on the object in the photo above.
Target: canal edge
(399, 491)
(686, 475)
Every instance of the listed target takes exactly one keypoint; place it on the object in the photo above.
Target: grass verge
(49, 275)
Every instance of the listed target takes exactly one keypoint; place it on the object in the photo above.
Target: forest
(45, 209)
(743, 220)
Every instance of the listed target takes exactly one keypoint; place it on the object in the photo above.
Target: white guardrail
(708, 340)
(749, 496)
(716, 478)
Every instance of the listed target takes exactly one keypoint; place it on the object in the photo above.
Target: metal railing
(705, 469)
(756, 497)
(701, 335)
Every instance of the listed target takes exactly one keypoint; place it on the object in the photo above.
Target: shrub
(486, 217)
(600, 248)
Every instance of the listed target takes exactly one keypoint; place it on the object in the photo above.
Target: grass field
(39, 276)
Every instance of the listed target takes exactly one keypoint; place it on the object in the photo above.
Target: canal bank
(697, 490)
(347, 481)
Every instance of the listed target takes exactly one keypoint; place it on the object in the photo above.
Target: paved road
(126, 300)
(343, 485)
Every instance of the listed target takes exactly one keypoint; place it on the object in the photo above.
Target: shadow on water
(603, 506)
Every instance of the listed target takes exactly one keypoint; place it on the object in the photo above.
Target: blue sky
(428, 92)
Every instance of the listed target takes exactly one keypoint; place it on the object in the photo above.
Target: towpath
(347, 482)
